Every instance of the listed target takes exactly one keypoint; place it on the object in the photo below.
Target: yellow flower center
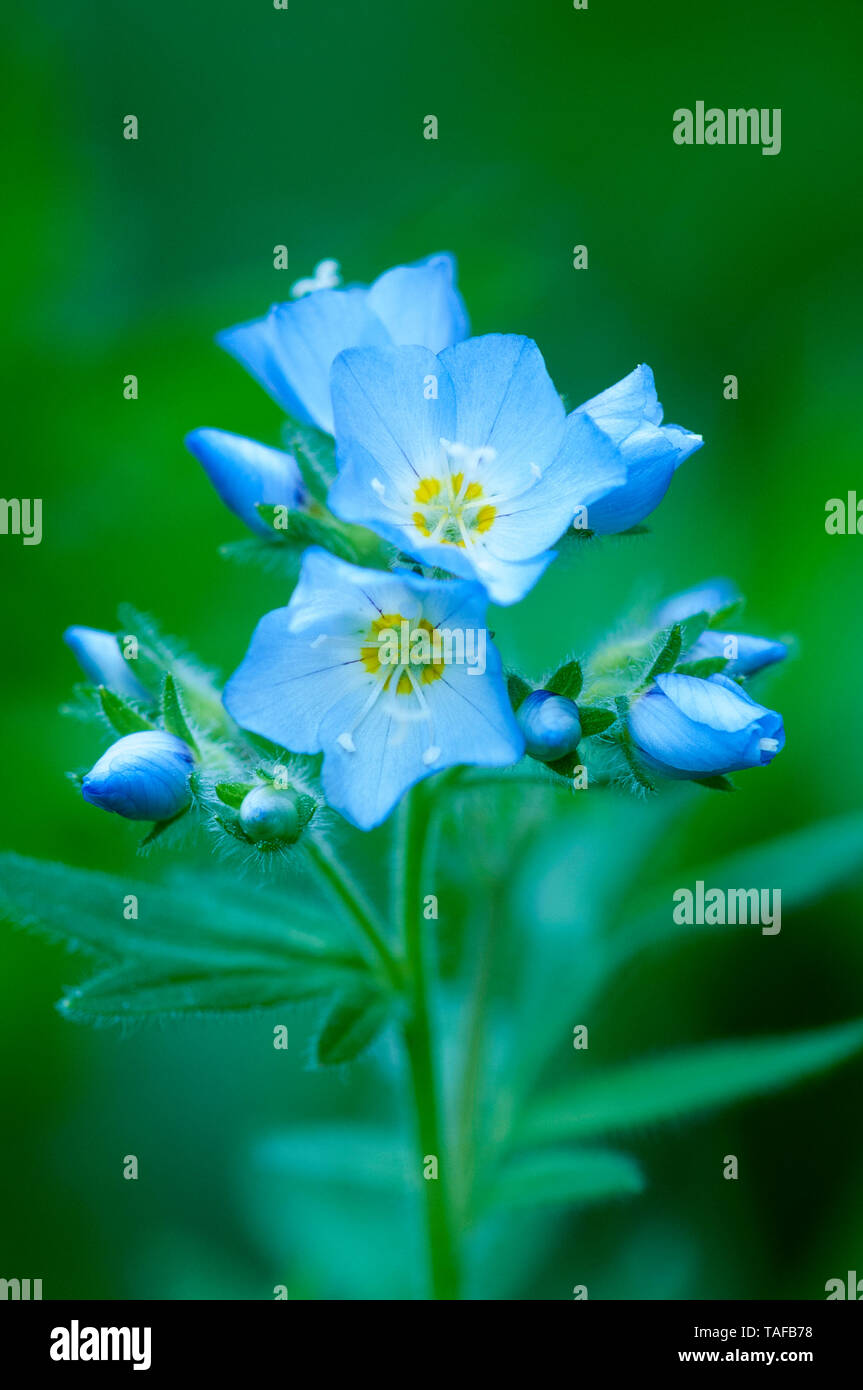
(403, 646)
(454, 509)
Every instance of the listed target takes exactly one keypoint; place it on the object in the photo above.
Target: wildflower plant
(374, 771)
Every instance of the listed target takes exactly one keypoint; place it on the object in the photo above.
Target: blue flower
(687, 727)
(466, 460)
(550, 725)
(630, 416)
(245, 473)
(390, 675)
(142, 776)
(99, 656)
(745, 654)
(290, 351)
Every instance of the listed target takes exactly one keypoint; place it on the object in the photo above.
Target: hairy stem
(443, 1260)
(351, 896)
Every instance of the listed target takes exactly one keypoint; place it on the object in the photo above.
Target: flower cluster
(456, 460)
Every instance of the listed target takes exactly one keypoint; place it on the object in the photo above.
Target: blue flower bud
(708, 597)
(245, 473)
(745, 654)
(268, 815)
(687, 727)
(99, 656)
(550, 725)
(142, 776)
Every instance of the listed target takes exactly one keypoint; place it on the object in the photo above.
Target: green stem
(443, 1260)
(352, 897)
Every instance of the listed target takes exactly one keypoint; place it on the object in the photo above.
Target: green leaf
(691, 629)
(567, 680)
(802, 865)
(706, 666)
(668, 656)
(182, 984)
(172, 712)
(565, 766)
(353, 1025)
(637, 771)
(233, 828)
(567, 1176)
(304, 528)
(595, 720)
(725, 615)
(315, 453)
(198, 914)
(683, 1083)
(122, 715)
(517, 689)
(233, 794)
(159, 827)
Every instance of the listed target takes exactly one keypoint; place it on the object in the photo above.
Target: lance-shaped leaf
(668, 655)
(684, 1083)
(563, 1176)
(195, 983)
(204, 943)
(802, 866)
(173, 716)
(122, 714)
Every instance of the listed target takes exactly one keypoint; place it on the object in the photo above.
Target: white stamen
(345, 741)
(768, 745)
(431, 755)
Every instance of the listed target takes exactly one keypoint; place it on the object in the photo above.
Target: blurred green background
(304, 127)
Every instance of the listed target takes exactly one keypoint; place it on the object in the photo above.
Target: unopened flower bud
(550, 725)
(99, 656)
(143, 776)
(270, 816)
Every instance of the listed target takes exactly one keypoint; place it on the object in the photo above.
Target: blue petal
(99, 656)
(753, 653)
(419, 305)
(626, 405)
(630, 415)
(291, 350)
(709, 597)
(244, 473)
(586, 468)
(506, 401)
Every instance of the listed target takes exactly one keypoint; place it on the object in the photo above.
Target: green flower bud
(270, 816)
